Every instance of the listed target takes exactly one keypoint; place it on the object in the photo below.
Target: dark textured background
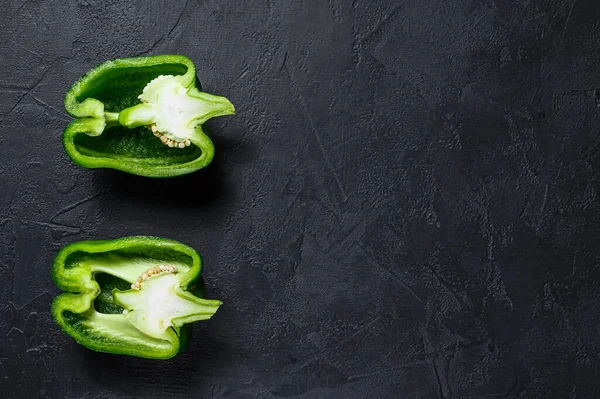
(405, 205)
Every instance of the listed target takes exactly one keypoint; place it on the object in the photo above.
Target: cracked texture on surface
(405, 205)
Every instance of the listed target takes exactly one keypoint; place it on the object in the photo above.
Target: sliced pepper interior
(131, 299)
(173, 111)
(142, 115)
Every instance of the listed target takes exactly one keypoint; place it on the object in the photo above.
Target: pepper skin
(129, 296)
(142, 116)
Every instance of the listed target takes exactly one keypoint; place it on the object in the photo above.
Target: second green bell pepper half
(143, 116)
(129, 296)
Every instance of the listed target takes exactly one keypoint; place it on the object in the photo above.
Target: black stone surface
(405, 205)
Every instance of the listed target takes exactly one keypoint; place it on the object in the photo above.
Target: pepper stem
(112, 118)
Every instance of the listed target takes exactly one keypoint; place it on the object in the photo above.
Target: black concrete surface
(404, 206)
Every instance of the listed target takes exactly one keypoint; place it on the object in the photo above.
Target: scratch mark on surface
(432, 363)
(59, 226)
(2, 359)
(33, 300)
(29, 90)
(13, 250)
(390, 272)
(385, 370)
(76, 204)
(326, 158)
(564, 30)
(543, 206)
(20, 7)
(153, 47)
(44, 104)
(241, 75)
(377, 61)
(343, 238)
(178, 18)
(357, 332)
(539, 85)
(26, 49)
(477, 21)
(283, 63)
(298, 261)
(37, 348)
(458, 300)
(342, 143)
(437, 378)
(382, 22)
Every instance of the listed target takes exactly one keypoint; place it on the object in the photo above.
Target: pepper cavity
(168, 142)
(151, 272)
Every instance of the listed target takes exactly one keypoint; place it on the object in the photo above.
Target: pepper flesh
(122, 103)
(102, 311)
(173, 109)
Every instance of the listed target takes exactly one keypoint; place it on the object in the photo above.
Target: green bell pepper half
(129, 296)
(122, 104)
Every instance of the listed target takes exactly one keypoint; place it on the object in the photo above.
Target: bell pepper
(129, 296)
(143, 116)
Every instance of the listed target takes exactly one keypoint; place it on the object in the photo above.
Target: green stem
(112, 118)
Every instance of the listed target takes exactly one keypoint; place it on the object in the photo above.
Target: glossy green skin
(94, 140)
(88, 290)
